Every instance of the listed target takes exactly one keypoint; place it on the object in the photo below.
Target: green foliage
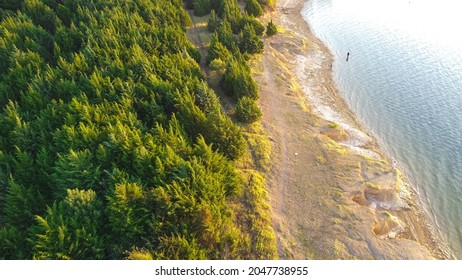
(257, 26)
(68, 39)
(126, 213)
(21, 204)
(29, 40)
(271, 29)
(250, 41)
(218, 6)
(11, 4)
(217, 65)
(201, 7)
(253, 8)
(12, 244)
(237, 80)
(64, 13)
(256, 195)
(180, 248)
(139, 254)
(232, 13)
(40, 14)
(195, 54)
(217, 50)
(4, 56)
(247, 110)
(269, 3)
(226, 37)
(76, 171)
(206, 99)
(112, 145)
(213, 22)
(226, 135)
(69, 230)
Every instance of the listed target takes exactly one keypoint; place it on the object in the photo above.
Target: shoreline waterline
(423, 196)
(328, 104)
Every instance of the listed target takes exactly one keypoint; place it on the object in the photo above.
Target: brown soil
(329, 202)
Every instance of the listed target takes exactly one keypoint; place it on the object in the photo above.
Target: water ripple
(405, 85)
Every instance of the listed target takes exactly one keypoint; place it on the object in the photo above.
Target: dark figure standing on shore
(348, 56)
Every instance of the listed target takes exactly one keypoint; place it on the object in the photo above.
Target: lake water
(403, 80)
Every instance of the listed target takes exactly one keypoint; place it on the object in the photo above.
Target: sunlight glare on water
(429, 20)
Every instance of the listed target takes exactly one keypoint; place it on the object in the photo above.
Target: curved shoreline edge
(334, 194)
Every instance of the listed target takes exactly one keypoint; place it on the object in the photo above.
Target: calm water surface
(403, 80)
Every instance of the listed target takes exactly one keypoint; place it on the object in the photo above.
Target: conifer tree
(226, 37)
(253, 8)
(250, 42)
(247, 110)
(213, 22)
(218, 6)
(217, 50)
(11, 4)
(112, 145)
(246, 86)
(12, 245)
(207, 100)
(76, 170)
(21, 204)
(128, 216)
(271, 29)
(41, 14)
(70, 229)
(218, 65)
(232, 13)
(257, 26)
(201, 7)
(227, 135)
(237, 80)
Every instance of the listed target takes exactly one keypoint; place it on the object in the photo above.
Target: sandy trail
(329, 202)
(282, 174)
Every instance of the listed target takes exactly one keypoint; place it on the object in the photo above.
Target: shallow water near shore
(403, 80)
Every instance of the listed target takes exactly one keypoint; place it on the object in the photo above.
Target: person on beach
(348, 56)
(393, 164)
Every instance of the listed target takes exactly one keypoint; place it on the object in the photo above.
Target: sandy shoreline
(334, 194)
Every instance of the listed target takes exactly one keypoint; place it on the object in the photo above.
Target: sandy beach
(334, 193)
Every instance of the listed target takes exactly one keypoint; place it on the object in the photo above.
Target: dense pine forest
(112, 143)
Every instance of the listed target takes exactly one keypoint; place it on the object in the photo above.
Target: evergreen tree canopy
(257, 26)
(247, 110)
(250, 41)
(237, 80)
(271, 29)
(112, 145)
(213, 22)
(218, 6)
(201, 7)
(253, 8)
(232, 14)
(217, 50)
(226, 37)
